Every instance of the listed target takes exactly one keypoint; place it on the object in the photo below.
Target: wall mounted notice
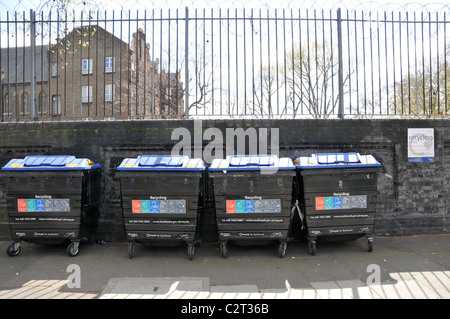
(420, 145)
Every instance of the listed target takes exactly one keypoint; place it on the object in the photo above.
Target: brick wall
(412, 197)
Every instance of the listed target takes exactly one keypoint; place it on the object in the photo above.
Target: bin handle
(300, 214)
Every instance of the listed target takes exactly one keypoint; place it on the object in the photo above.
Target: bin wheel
(369, 243)
(282, 249)
(73, 249)
(190, 251)
(312, 248)
(131, 250)
(12, 250)
(223, 249)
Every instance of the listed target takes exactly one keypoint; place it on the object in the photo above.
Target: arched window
(25, 104)
(6, 109)
(11, 103)
(43, 102)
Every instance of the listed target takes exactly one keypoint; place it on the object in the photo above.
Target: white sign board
(420, 145)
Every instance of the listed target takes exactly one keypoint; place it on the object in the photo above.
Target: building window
(25, 103)
(56, 103)
(110, 65)
(7, 108)
(54, 69)
(86, 66)
(42, 107)
(168, 93)
(86, 94)
(109, 92)
(10, 103)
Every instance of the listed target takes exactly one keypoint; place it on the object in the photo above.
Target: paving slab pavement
(414, 267)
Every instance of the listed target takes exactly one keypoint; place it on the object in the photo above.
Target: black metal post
(341, 66)
(33, 64)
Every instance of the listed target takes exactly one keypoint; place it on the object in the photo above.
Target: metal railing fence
(224, 63)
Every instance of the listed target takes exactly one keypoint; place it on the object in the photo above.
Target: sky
(133, 5)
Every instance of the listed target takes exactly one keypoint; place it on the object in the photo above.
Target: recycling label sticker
(43, 205)
(253, 206)
(177, 206)
(341, 202)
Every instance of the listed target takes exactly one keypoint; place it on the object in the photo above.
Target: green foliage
(423, 93)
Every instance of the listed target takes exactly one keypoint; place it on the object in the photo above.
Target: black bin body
(52, 200)
(253, 197)
(161, 200)
(338, 196)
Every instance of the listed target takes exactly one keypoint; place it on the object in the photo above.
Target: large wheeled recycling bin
(161, 200)
(338, 196)
(253, 197)
(52, 199)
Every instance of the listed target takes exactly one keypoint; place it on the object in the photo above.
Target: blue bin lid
(161, 163)
(251, 163)
(336, 160)
(49, 162)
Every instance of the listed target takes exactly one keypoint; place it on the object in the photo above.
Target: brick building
(90, 74)
(15, 86)
(171, 102)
